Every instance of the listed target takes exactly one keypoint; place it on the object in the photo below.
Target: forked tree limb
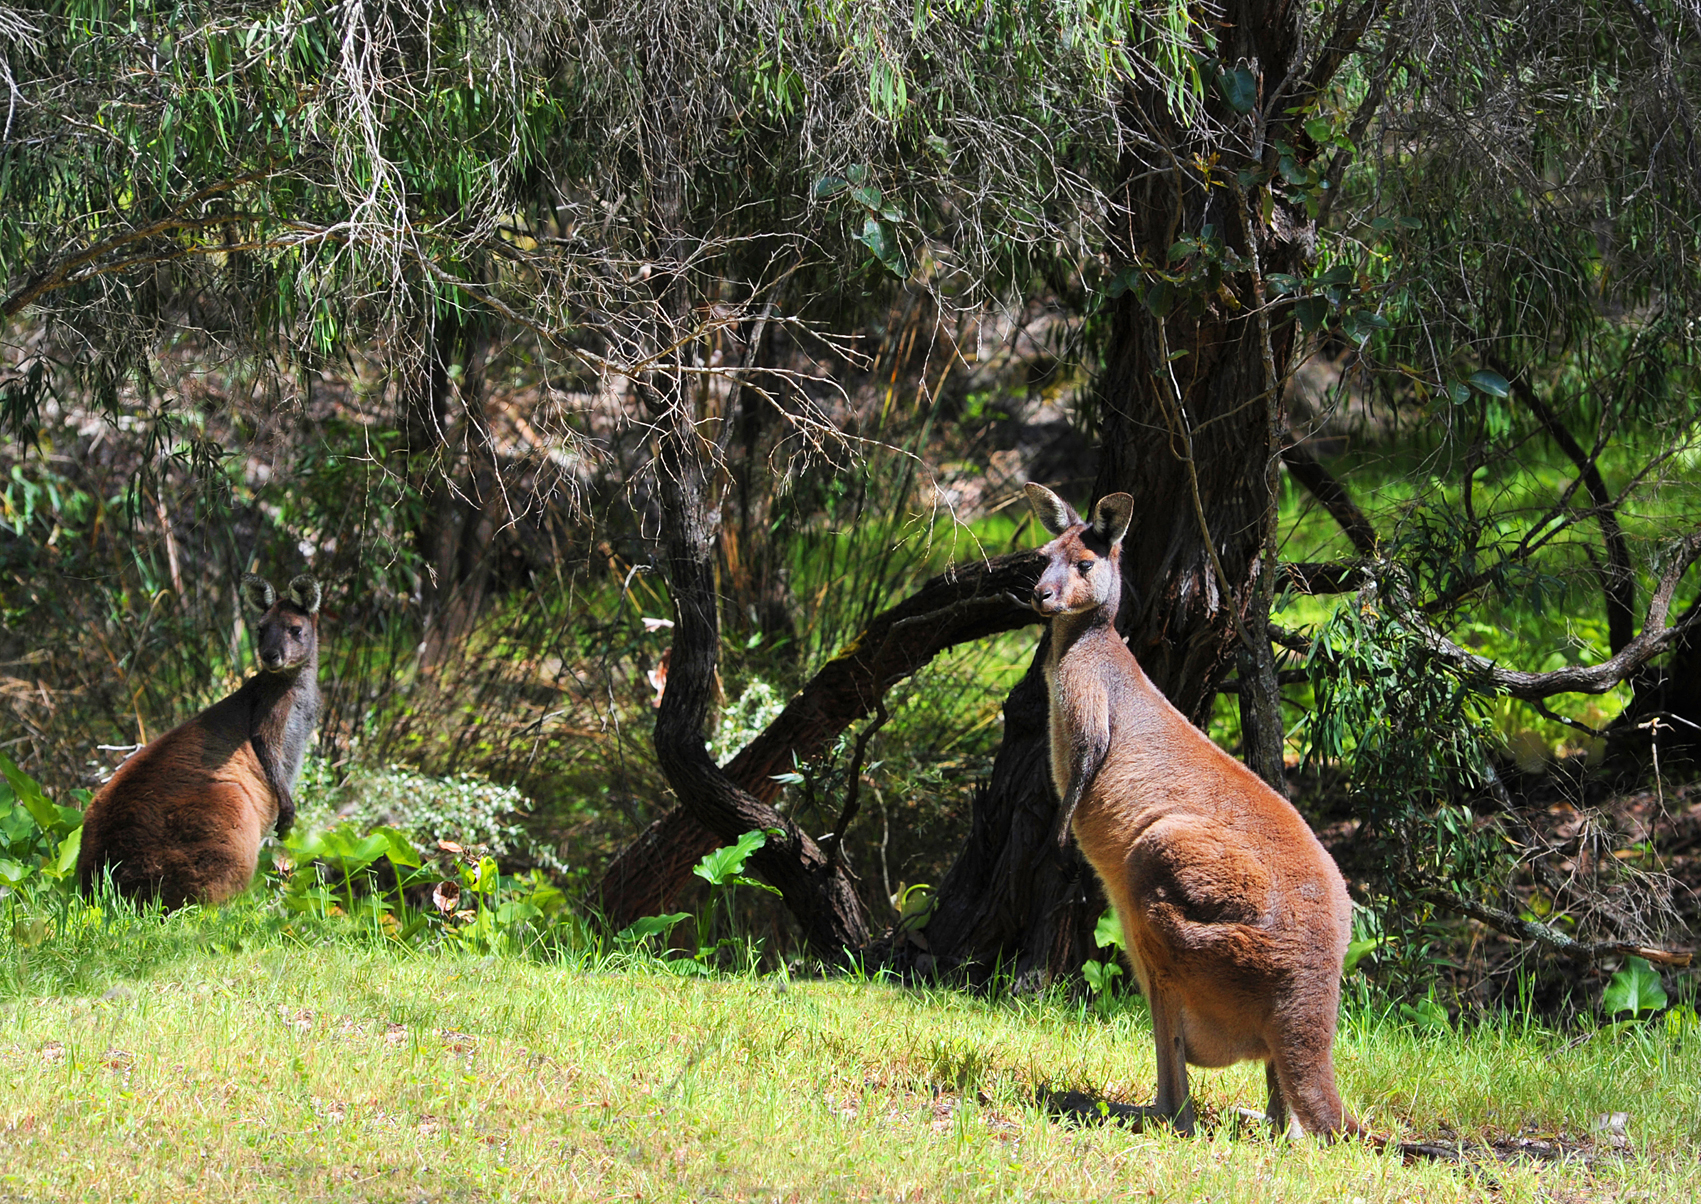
(1618, 580)
(967, 602)
(1655, 636)
(1543, 934)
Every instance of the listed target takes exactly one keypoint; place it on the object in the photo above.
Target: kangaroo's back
(1235, 918)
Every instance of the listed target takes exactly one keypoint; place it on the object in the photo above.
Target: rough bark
(968, 602)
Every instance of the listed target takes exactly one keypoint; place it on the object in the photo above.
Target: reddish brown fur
(183, 818)
(1235, 918)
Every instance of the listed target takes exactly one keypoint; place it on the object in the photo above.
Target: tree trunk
(817, 891)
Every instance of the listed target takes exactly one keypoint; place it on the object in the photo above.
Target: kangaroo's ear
(304, 592)
(1111, 519)
(257, 593)
(1054, 513)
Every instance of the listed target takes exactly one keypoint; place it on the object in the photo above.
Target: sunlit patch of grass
(323, 1070)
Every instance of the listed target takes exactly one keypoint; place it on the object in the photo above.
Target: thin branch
(1618, 583)
(1530, 930)
(852, 803)
(1321, 484)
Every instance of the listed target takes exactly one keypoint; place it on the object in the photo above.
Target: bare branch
(1530, 930)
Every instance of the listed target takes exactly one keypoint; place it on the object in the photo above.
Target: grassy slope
(329, 1071)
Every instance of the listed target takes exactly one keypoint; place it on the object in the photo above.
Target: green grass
(254, 1060)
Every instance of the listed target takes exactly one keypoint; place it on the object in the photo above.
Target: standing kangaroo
(1234, 917)
(183, 818)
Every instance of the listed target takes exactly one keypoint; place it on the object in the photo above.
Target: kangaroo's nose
(1041, 594)
(271, 659)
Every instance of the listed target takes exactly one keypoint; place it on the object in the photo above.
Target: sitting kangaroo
(183, 818)
(1234, 917)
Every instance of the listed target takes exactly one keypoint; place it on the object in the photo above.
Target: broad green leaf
(13, 873)
(1319, 129)
(1160, 298)
(1281, 283)
(1240, 88)
(878, 237)
(1311, 311)
(1635, 989)
(1108, 932)
(399, 849)
(828, 187)
(1428, 1014)
(723, 865)
(69, 850)
(1100, 975)
(1491, 383)
(1357, 951)
(867, 196)
(651, 926)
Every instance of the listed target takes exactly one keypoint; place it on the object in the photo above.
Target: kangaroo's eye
(1086, 566)
(295, 631)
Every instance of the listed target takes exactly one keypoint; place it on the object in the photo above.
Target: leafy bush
(464, 809)
(39, 839)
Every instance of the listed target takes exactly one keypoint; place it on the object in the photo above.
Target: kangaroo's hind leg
(1173, 1102)
(1302, 1078)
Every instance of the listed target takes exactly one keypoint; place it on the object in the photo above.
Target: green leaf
(1100, 975)
(867, 196)
(1428, 1014)
(399, 849)
(828, 187)
(878, 237)
(1292, 172)
(1311, 311)
(1160, 298)
(1682, 1023)
(741, 880)
(651, 926)
(1357, 951)
(1282, 283)
(1492, 383)
(13, 873)
(723, 865)
(1180, 250)
(1319, 130)
(1108, 932)
(1240, 88)
(1635, 989)
(69, 850)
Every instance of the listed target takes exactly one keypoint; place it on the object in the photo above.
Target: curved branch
(1305, 468)
(966, 602)
(1573, 679)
